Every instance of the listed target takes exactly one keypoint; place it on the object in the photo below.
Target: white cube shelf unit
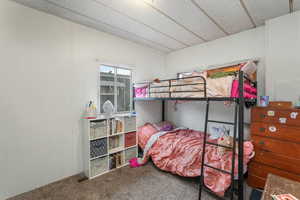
(109, 144)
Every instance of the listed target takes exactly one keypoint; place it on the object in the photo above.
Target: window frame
(115, 67)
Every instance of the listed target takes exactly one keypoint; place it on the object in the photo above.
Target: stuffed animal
(225, 140)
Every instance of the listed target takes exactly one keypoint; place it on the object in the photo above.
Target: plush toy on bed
(223, 138)
(226, 140)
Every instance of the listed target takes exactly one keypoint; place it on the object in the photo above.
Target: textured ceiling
(167, 25)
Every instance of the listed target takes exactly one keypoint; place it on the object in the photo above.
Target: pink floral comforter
(179, 152)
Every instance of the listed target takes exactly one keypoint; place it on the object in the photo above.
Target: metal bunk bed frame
(238, 130)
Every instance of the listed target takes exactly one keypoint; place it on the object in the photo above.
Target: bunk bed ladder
(233, 149)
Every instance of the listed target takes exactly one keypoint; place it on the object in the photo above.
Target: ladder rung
(219, 145)
(221, 170)
(220, 122)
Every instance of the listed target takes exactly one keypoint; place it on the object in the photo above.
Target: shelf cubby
(117, 125)
(98, 147)
(130, 153)
(130, 139)
(129, 124)
(98, 129)
(116, 160)
(116, 142)
(99, 166)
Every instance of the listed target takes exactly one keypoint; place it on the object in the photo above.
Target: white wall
(244, 45)
(247, 44)
(283, 57)
(48, 71)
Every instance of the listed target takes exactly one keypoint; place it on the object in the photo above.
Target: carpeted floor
(143, 183)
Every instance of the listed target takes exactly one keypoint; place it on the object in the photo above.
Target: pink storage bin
(141, 92)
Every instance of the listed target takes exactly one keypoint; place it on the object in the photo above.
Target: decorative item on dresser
(109, 143)
(275, 133)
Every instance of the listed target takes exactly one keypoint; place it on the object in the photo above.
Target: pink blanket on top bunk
(179, 152)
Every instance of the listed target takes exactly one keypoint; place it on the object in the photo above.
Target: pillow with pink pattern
(144, 133)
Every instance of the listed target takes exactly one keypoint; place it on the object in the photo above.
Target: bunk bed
(199, 88)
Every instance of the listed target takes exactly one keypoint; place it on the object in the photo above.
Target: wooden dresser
(275, 133)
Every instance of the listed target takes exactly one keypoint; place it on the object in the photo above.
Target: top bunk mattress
(193, 87)
(210, 83)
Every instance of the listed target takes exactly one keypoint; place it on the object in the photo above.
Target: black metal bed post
(163, 110)
(133, 96)
(149, 90)
(203, 150)
(241, 102)
(236, 108)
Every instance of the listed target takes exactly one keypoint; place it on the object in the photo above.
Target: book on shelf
(111, 127)
(114, 142)
(118, 126)
(115, 160)
(112, 162)
(118, 159)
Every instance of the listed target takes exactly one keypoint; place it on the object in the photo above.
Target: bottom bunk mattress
(179, 152)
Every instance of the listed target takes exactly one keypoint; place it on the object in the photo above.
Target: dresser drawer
(262, 171)
(287, 149)
(281, 162)
(276, 131)
(275, 115)
(281, 104)
(256, 182)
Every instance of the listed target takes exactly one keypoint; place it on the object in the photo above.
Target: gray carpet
(143, 183)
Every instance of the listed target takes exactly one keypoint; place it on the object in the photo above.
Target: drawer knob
(272, 129)
(293, 115)
(262, 129)
(261, 142)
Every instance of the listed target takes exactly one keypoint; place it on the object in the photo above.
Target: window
(115, 86)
